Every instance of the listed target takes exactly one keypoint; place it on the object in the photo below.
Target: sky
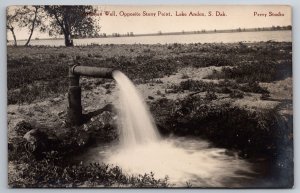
(176, 18)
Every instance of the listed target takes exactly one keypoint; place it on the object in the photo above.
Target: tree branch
(58, 21)
(33, 25)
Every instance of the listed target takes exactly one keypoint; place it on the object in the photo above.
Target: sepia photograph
(150, 96)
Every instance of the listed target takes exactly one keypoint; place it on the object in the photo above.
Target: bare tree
(23, 17)
(33, 19)
(13, 17)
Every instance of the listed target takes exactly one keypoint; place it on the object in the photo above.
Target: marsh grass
(47, 173)
(37, 91)
(225, 86)
(249, 63)
(252, 71)
(253, 132)
(54, 171)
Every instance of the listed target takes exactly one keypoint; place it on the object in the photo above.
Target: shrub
(62, 55)
(210, 96)
(54, 173)
(195, 85)
(254, 87)
(236, 94)
(185, 76)
(226, 86)
(199, 61)
(265, 96)
(263, 71)
(29, 93)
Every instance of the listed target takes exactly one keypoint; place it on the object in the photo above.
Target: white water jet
(141, 149)
(135, 121)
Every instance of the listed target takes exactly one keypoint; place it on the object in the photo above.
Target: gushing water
(135, 121)
(142, 149)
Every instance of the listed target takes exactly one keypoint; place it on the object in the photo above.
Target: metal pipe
(75, 116)
(92, 71)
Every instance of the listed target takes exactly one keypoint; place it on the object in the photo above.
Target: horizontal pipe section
(93, 71)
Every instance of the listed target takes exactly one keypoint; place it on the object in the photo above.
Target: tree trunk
(68, 40)
(68, 36)
(14, 36)
(32, 28)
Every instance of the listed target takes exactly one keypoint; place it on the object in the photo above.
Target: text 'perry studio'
(267, 14)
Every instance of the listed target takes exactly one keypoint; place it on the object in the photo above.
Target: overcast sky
(236, 16)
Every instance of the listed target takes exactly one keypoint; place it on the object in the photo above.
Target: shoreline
(139, 44)
(181, 38)
(167, 34)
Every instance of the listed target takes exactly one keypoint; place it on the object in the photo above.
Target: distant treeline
(203, 31)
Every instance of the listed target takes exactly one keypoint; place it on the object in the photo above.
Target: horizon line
(183, 32)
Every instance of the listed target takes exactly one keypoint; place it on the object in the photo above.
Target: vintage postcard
(150, 96)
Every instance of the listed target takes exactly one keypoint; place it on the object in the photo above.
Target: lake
(280, 36)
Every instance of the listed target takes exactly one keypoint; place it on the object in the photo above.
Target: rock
(170, 91)
(104, 120)
(39, 142)
(82, 139)
(61, 113)
(33, 136)
(23, 127)
(99, 126)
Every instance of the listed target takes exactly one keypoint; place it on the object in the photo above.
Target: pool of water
(183, 160)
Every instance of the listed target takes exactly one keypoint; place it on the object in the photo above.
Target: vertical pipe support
(74, 111)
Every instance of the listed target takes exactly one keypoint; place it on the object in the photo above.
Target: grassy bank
(40, 72)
